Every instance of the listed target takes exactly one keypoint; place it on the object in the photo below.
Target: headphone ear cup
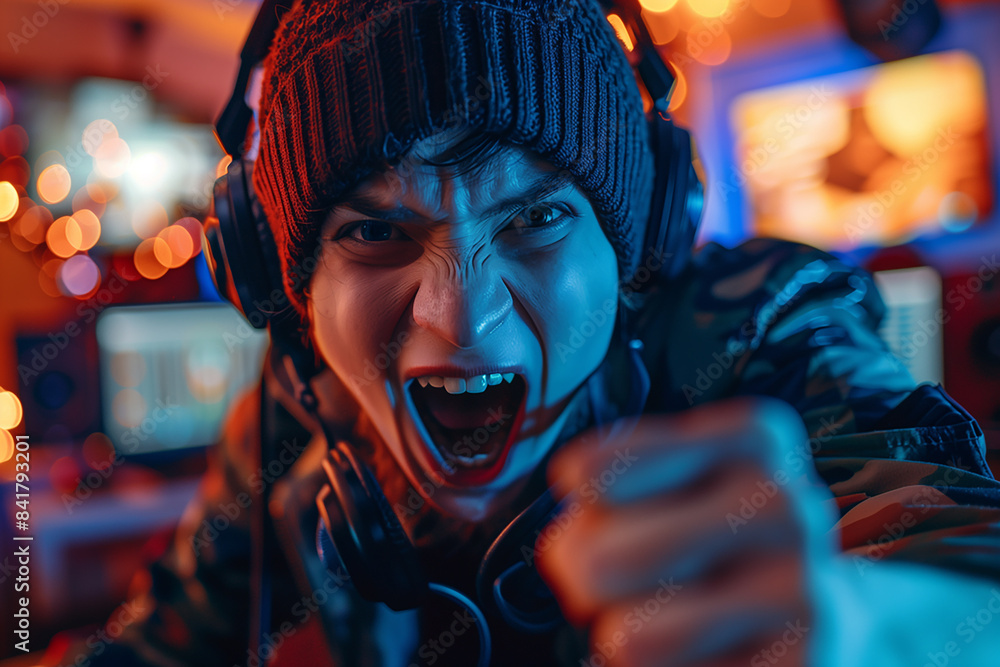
(678, 198)
(243, 254)
(366, 535)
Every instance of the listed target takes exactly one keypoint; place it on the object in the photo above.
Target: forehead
(432, 177)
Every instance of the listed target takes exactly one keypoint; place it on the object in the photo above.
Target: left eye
(372, 231)
(538, 216)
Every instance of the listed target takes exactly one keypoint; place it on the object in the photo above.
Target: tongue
(469, 411)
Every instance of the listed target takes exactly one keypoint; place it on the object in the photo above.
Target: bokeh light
(90, 228)
(47, 277)
(658, 5)
(15, 170)
(102, 191)
(64, 237)
(6, 446)
(112, 157)
(85, 199)
(709, 8)
(53, 184)
(13, 140)
(145, 259)
(10, 410)
(194, 229)
(148, 171)
(96, 132)
(64, 474)
(33, 224)
(178, 247)
(98, 452)
(663, 26)
(710, 48)
(78, 276)
(8, 201)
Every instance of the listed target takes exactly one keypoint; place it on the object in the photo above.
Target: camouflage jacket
(905, 465)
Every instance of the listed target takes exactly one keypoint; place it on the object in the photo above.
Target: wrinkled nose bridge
(463, 307)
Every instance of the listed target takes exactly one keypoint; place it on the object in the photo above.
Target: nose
(462, 308)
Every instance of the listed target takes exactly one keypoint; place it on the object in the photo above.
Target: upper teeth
(472, 385)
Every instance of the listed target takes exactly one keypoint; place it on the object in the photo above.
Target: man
(468, 178)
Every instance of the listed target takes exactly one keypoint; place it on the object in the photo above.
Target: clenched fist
(691, 539)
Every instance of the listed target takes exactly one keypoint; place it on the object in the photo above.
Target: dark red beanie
(352, 84)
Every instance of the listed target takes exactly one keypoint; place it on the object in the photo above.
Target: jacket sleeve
(906, 464)
(192, 609)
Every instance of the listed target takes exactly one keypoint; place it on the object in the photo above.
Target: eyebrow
(369, 205)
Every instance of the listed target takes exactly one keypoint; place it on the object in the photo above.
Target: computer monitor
(870, 157)
(170, 372)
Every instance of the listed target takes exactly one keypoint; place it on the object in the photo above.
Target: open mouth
(470, 422)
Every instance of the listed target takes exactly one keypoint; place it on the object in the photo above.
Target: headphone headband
(231, 127)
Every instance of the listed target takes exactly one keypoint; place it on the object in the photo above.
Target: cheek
(354, 314)
(575, 307)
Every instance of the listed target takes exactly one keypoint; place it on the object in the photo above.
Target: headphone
(358, 529)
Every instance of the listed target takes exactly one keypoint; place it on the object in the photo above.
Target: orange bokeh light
(8, 201)
(10, 410)
(112, 157)
(145, 259)
(194, 229)
(84, 199)
(53, 184)
(98, 451)
(658, 5)
(6, 446)
(102, 191)
(178, 247)
(13, 140)
(708, 47)
(64, 237)
(33, 223)
(663, 26)
(709, 8)
(47, 277)
(90, 228)
(96, 132)
(16, 170)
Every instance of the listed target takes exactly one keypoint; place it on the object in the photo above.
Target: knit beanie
(351, 85)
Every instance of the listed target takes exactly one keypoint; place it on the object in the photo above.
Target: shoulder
(768, 317)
